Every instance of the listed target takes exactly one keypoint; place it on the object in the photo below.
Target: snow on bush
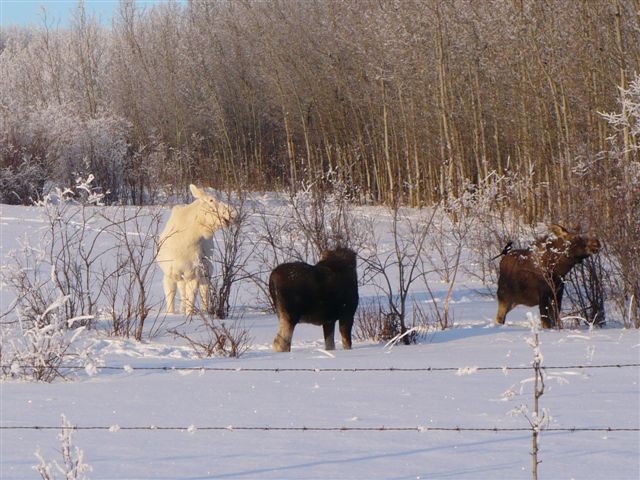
(53, 145)
(40, 339)
(41, 347)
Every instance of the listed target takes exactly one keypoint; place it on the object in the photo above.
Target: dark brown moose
(535, 275)
(319, 294)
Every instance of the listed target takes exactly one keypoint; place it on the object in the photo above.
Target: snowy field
(363, 419)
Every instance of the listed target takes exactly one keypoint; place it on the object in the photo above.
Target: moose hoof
(281, 345)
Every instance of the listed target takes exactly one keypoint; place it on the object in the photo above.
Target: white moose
(185, 245)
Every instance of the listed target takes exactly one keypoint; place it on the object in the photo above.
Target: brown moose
(319, 294)
(535, 275)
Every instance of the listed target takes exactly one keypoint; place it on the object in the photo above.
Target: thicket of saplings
(410, 100)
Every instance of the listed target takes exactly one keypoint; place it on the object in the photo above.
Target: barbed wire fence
(266, 428)
(278, 370)
(462, 370)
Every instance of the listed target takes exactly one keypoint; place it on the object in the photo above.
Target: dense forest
(408, 100)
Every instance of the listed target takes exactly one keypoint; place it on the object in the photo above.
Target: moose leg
(169, 287)
(190, 290)
(548, 311)
(558, 302)
(346, 324)
(504, 307)
(203, 287)
(282, 342)
(183, 295)
(328, 330)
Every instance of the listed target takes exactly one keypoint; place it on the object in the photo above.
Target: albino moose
(185, 244)
(535, 275)
(319, 294)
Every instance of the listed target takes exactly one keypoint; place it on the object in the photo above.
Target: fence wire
(232, 428)
(421, 429)
(466, 369)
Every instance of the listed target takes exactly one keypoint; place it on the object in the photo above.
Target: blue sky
(25, 12)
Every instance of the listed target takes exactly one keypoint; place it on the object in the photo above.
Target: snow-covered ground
(242, 418)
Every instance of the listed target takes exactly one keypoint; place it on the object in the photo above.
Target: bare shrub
(447, 241)
(269, 247)
(72, 244)
(229, 259)
(322, 212)
(373, 323)
(278, 239)
(126, 285)
(216, 337)
(403, 259)
(439, 314)
(427, 318)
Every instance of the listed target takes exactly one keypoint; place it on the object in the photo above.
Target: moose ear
(195, 191)
(559, 231)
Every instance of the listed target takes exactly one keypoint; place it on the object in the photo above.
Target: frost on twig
(72, 466)
(539, 417)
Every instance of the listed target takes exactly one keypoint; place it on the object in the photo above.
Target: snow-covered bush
(611, 210)
(55, 145)
(486, 221)
(23, 162)
(622, 187)
(322, 213)
(71, 243)
(78, 260)
(39, 338)
(22, 177)
(539, 417)
(72, 466)
(41, 347)
(627, 121)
